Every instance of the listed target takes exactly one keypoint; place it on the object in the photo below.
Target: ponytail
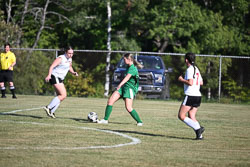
(191, 59)
(135, 62)
(194, 70)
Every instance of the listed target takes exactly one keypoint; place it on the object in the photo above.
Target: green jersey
(133, 82)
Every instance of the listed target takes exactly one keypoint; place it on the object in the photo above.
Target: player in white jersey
(192, 82)
(57, 72)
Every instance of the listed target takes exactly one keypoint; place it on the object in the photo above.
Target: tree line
(203, 27)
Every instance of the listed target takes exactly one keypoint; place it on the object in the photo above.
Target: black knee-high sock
(3, 90)
(12, 89)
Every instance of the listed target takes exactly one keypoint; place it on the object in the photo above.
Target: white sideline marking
(30, 109)
(133, 142)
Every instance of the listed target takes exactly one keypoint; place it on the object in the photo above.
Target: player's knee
(129, 109)
(192, 117)
(62, 97)
(181, 117)
(111, 101)
(11, 84)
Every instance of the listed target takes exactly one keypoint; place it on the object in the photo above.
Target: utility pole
(107, 83)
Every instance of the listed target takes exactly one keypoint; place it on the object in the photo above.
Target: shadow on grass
(133, 132)
(80, 120)
(87, 121)
(153, 135)
(182, 138)
(119, 123)
(139, 133)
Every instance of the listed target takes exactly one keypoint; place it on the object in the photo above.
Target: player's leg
(129, 95)
(183, 111)
(12, 89)
(59, 88)
(197, 128)
(191, 115)
(112, 99)
(190, 105)
(2, 87)
(132, 112)
(11, 84)
(61, 95)
(61, 91)
(182, 116)
(56, 101)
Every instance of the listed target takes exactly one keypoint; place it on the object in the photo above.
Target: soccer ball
(92, 117)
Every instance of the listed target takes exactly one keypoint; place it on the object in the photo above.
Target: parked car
(153, 81)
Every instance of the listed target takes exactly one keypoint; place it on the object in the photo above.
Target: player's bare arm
(128, 76)
(56, 62)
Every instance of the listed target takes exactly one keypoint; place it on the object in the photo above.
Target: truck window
(148, 62)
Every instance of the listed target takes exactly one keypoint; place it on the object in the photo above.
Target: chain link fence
(224, 76)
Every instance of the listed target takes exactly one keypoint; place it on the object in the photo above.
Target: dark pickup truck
(153, 81)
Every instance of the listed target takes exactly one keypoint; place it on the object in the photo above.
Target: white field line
(134, 140)
(14, 111)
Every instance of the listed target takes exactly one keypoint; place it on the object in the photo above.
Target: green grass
(32, 137)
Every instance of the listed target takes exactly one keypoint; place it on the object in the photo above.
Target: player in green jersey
(127, 89)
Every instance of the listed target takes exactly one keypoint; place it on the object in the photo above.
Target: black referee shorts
(6, 76)
(193, 101)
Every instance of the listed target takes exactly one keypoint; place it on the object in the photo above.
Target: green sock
(135, 115)
(108, 112)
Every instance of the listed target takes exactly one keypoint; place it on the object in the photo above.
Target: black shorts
(193, 101)
(6, 76)
(55, 80)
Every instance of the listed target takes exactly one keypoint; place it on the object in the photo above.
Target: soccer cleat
(14, 97)
(48, 112)
(102, 121)
(3, 96)
(52, 115)
(201, 138)
(139, 124)
(199, 133)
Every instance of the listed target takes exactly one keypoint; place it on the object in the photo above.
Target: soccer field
(29, 138)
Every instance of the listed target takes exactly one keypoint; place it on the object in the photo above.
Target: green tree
(203, 27)
(33, 18)
(10, 29)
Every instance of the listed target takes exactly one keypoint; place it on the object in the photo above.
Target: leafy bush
(30, 72)
(236, 92)
(176, 92)
(80, 86)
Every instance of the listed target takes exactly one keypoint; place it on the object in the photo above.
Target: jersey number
(197, 81)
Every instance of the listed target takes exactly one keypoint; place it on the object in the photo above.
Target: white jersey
(193, 90)
(62, 69)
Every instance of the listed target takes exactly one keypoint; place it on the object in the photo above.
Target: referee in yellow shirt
(7, 62)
